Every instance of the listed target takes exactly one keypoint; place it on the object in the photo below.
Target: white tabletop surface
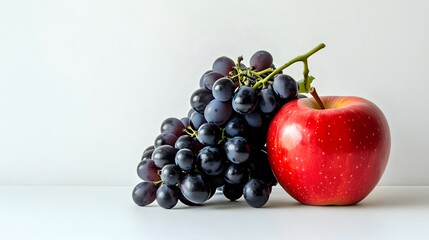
(109, 213)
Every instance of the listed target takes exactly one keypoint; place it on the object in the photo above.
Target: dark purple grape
(172, 126)
(190, 112)
(198, 146)
(256, 193)
(148, 171)
(200, 98)
(196, 120)
(163, 155)
(186, 201)
(267, 100)
(147, 153)
(211, 160)
(144, 193)
(245, 100)
(218, 112)
(185, 121)
(236, 126)
(217, 181)
(170, 174)
(185, 141)
(260, 168)
(261, 60)
(167, 196)
(300, 95)
(237, 150)
(236, 174)
(202, 78)
(212, 191)
(232, 192)
(148, 149)
(254, 119)
(223, 89)
(165, 139)
(223, 65)
(210, 79)
(209, 134)
(285, 86)
(195, 188)
(185, 159)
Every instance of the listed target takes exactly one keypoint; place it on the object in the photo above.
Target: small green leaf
(305, 88)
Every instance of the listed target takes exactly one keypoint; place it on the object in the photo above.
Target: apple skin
(334, 156)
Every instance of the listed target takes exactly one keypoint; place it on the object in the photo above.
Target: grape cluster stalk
(220, 144)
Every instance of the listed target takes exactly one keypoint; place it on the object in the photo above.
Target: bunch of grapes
(220, 145)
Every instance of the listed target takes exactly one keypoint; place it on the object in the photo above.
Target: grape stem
(302, 58)
(313, 93)
(191, 132)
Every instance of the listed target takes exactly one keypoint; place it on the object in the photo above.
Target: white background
(84, 85)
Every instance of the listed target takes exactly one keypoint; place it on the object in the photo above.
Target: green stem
(261, 72)
(302, 58)
(191, 132)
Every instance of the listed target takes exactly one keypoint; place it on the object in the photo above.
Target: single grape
(236, 174)
(223, 89)
(223, 65)
(267, 100)
(261, 60)
(144, 193)
(185, 121)
(211, 160)
(148, 149)
(185, 141)
(147, 153)
(232, 191)
(218, 112)
(244, 100)
(165, 139)
(167, 196)
(237, 150)
(210, 79)
(196, 120)
(173, 126)
(236, 126)
(186, 201)
(170, 174)
(203, 76)
(190, 112)
(209, 134)
(285, 86)
(195, 188)
(185, 159)
(200, 98)
(163, 155)
(254, 119)
(302, 95)
(148, 171)
(256, 193)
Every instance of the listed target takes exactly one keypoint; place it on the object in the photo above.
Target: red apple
(332, 156)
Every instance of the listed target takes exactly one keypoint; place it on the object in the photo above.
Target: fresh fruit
(220, 143)
(331, 156)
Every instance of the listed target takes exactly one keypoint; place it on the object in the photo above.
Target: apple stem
(313, 93)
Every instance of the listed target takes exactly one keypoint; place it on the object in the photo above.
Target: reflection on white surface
(109, 213)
